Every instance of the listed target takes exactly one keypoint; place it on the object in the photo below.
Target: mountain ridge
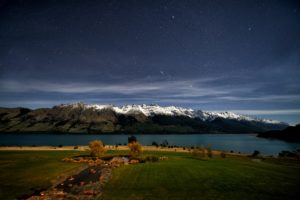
(154, 109)
(96, 118)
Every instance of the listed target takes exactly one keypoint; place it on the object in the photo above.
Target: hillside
(83, 118)
(291, 134)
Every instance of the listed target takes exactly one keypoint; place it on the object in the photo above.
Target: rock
(163, 158)
(134, 161)
(89, 192)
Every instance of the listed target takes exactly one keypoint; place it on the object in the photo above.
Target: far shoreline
(146, 148)
(122, 133)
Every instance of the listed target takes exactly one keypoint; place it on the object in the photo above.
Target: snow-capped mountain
(135, 119)
(154, 109)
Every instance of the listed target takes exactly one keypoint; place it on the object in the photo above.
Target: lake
(244, 143)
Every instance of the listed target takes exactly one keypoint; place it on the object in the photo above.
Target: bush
(287, 154)
(255, 153)
(165, 143)
(154, 144)
(198, 152)
(209, 151)
(135, 149)
(131, 139)
(97, 148)
(152, 158)
(223, 155)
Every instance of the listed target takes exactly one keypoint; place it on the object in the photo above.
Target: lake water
(244, 143)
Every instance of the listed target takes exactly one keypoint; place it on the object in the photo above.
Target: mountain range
(137, 119)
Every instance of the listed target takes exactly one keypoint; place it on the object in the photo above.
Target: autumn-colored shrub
(163, 158)
(97, 148)
(135, 149)
(198, 152)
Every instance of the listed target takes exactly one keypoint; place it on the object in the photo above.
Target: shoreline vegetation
(289, 134)
(107, 148)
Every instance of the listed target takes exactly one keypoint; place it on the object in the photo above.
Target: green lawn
(180, 177)
(183, 177)
(21, 171)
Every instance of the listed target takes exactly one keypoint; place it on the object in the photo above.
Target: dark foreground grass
(22, 172)
(180, 177)
(183, 177)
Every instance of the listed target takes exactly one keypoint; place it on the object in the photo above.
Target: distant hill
(138, 119)
(290, 134)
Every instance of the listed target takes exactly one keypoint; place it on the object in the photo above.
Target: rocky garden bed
(89, 182)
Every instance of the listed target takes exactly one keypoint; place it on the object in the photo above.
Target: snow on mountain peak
(153, 109)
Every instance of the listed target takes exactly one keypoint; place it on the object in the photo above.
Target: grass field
(183, 177)
(180, 177)
(22, 172)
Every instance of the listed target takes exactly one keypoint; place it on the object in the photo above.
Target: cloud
(265, 112)
(170, 87)
(273, 98)
(193, 91)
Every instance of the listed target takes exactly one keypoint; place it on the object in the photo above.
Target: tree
(165, 143)
(131, 139)
(135, 148)
(97, 148)
(255, 153)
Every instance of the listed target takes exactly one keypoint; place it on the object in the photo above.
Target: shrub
(76, 147)
(223, 155)
(165, 143)
(209, 151)
(152, 158)
(97, 148)
(255, 153)
(135, 149)
(131, 139)
(154, 144)
(198, 152)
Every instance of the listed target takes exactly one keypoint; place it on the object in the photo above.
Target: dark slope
(81, 119)
(290, 134)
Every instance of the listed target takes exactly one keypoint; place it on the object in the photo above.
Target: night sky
(214, 55)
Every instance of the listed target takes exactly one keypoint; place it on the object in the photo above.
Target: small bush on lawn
(209, 151)
(223, 155)
(97, 148)
(152, 158)
(135, 149)
(198, 152)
